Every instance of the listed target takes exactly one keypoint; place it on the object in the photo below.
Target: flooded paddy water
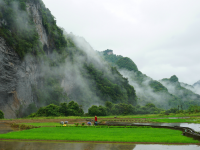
(5, 128)
(19, 145)
(193, 126)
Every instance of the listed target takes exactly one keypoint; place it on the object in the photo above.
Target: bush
(123, 109)
(1, 115)
(98, 111)
(72, 109)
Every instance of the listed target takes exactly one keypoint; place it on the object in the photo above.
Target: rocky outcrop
(33, 10)
(17, 77)
(16, 81)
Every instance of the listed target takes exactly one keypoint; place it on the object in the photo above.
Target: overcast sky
(161, 36)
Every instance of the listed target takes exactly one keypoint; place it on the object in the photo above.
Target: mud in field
(5, 128)
(43, 120)
(72, 121)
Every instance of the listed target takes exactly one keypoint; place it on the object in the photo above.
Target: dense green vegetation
(126, 63)
(71, 109)
(110, 58)
(55, 34)
(117, 90)
(194, 109)
(1, 115)
(101, 134)
(122, 109)
(120, 61)
(165, 94)
(20, 31)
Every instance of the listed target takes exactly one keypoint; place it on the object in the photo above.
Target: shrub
(1, 115)
(76, 124)
(99, 111)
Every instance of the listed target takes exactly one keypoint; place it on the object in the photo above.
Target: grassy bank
(101, 134)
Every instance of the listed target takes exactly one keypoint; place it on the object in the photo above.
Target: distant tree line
(64, 109)
(122, 109)
(74, 109)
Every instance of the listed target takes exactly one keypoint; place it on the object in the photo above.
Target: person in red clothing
(95, 120)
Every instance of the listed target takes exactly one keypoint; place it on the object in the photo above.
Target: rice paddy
(156, 135)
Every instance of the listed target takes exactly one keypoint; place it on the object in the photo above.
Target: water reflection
(7, 145)
(166, 147)
(193, 126)
(14, 145)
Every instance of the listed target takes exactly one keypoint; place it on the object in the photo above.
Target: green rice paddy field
(156, 135)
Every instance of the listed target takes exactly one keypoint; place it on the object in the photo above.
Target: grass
(157, 135)
(172, 120)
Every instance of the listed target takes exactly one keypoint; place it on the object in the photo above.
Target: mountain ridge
(148, 90)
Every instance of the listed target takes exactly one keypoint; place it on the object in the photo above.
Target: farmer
(95, 120)
(89, 123)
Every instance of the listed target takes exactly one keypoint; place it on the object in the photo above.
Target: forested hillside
(149, 90)
(99, 81)
(51, 67)
(187, 97)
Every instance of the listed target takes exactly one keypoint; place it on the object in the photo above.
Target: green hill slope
(147, 89)
(187, 96)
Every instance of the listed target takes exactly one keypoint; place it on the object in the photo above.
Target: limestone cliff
(18, 76)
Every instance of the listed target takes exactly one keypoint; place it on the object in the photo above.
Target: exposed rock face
(18, 77)
(16, 80)
(33, 10)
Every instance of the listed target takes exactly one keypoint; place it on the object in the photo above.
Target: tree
(123, 109)
(98, 111)
(93, 110)
(63, 109)
(109, 104)
(150, 105)
(50, 110)
(174, 78)
(1, 115)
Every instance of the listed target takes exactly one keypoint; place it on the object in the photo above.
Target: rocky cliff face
(17, 77)
(33, 10)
